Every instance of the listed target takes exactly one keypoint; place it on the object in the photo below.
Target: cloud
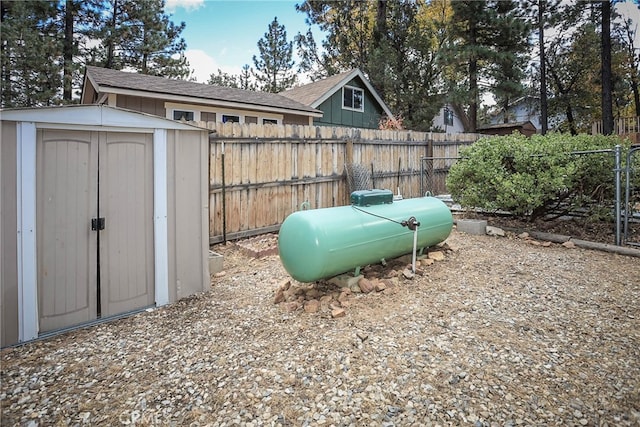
(188, 5)
(202, 64)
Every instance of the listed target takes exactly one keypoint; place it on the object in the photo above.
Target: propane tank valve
(412, 223)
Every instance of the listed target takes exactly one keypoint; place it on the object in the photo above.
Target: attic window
(226, 118)
(448, 117)
(352, 98)
(183, 115)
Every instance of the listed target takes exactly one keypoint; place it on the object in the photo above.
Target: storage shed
(104, 212)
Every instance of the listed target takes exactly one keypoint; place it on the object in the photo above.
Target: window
(353, 98)
(183, 115)
(448, 117)
(230, 119)
(269, 122)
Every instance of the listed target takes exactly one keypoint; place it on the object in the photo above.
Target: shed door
(85, 274)
(126, 203)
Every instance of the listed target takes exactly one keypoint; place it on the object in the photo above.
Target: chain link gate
(433, 174)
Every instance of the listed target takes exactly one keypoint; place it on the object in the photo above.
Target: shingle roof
(314, 94)
(104, 77)
(310, 93)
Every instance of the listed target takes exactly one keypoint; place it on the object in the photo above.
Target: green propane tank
(321, 243)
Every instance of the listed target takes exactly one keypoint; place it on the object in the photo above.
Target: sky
(223, 34)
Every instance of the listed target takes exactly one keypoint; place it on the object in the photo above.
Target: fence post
(618, 171)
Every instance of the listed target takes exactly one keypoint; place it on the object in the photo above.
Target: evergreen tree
(223, 79)
(509, 57)
(490, 41)
(274, 67)
(138, 34)
(31, 54)
(245, 80)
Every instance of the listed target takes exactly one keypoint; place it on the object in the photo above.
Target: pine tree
(223, 79)
(31, 54)
(138, 34)
(274, 67)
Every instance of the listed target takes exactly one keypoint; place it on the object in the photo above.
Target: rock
(344, 295)
(279, 296)
(312, 293)
(495, 231)
(569, 244)
(448, 246)
(524, 235)
(365, 285)
(291, 306)
(338, 312)
(436, 255)
(546, 244)
(284, 284)
(408, 274)
(326, 299)
(379, 286)
(427, 262)
(312, 306)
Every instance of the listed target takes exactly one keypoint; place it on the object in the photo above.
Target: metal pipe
(618, 171)
(415, 244)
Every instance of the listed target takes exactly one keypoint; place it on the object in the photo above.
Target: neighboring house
(345, 99)
(447, 121)
(180, 99)
(524, 109)
(525, 128)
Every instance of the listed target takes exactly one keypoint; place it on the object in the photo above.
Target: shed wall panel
(188, 214)
(8, 238)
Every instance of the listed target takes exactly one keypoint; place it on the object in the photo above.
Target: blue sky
(223, 34)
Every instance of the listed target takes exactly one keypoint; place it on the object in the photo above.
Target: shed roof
(92, 115)
(114, 81)
(314, 94)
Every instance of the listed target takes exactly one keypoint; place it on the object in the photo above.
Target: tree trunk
(543, 69)
(68, 51)
(607, 105)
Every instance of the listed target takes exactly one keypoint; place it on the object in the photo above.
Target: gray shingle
(105, 77)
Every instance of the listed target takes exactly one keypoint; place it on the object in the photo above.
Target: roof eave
(205, 101)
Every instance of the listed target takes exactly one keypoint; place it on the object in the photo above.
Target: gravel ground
(501, 332)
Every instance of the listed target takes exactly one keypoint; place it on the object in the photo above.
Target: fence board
(270, 171)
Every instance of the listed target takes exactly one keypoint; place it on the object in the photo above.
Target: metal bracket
(97, 224)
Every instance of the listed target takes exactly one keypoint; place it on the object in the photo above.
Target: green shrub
(536, 177)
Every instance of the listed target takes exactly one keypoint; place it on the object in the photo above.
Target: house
(105, 212)
(180, 99)
(345, 99)
(522, 110)
(525, 128)
(447, 121)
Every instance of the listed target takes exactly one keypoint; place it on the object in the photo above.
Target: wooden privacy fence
(259, 174)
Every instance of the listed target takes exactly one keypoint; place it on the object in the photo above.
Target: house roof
(314, 94)
(513, 125)
(106, 80)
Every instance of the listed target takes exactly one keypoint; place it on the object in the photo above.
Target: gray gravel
(500, 333)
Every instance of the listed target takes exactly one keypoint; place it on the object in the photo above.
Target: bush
(536, 177)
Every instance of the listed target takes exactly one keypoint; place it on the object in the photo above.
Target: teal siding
(335, 115)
